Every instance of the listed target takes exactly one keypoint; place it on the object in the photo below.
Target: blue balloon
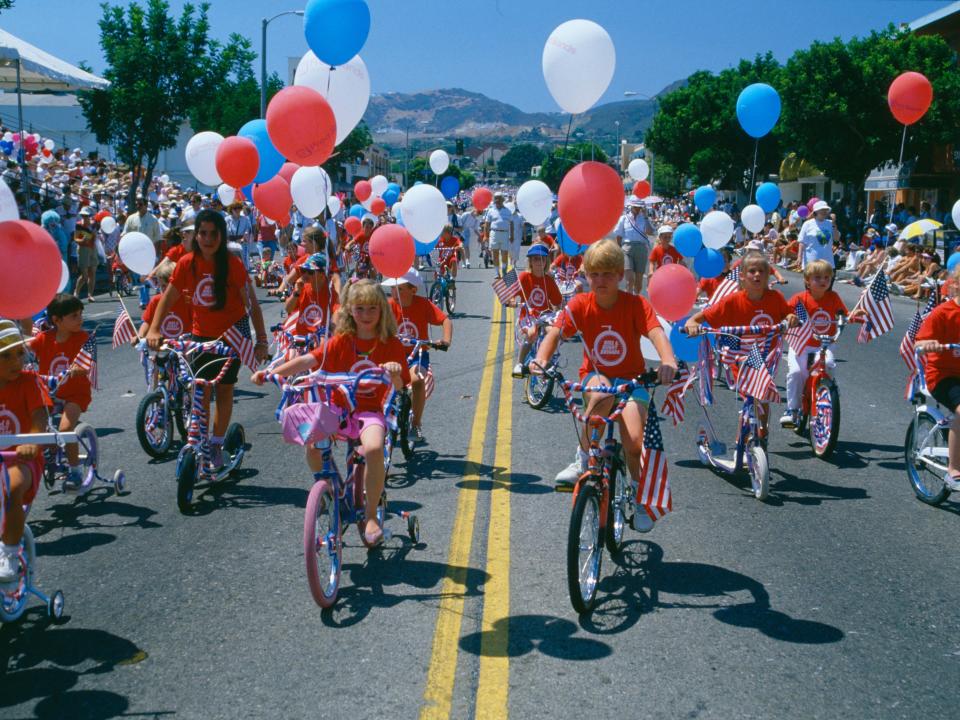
(390, 197)
(953, 261)
(336, 29)
(425, 248)
(393, 187)
(248, 192)
(270, 158)
(708, 263)
(768, 196)
(418, 182)
(704, 198)
(399, 216)
(758, 109)
(357, 211)
(686, 348)
(449, 186)
(688, 240)
(567, 244)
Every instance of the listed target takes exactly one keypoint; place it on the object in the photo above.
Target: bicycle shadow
(811, 492)
(87, 517)
(643, 582)
(108, 431)
(546, 634)
(234, 493)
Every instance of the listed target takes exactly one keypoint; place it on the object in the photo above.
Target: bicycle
(485, 254)
(337, 501)
(603, 497)
(163, 406)
(820, 410)
(537, 388)
(925, 447)
(402, 401)
(194, 460)
(121, 283)
(14, 596)
(443, 291)
(750, 452)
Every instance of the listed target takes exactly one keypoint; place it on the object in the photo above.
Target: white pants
(798, 369)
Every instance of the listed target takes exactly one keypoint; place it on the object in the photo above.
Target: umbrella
(918, 228)
(652, 200)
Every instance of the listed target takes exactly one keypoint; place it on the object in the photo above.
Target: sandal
(952, 481)
(372, 540)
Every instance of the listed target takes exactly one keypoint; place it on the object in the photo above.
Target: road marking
(438, 695)
(493, 687)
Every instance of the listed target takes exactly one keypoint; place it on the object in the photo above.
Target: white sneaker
(571, 473)
(641, 522)
(467, 264)
(9, 567)
(789, 420)
(517, 370)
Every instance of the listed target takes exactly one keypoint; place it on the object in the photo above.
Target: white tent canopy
(39, 70)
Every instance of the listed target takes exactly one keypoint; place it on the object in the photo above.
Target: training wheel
(119, 481)
(413, 528)
(55, 606)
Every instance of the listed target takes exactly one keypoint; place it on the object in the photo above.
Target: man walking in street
(633, 235)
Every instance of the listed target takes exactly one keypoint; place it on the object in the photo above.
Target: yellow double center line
(493, 685)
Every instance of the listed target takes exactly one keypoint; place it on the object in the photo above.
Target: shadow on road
(235, 493)
(90, 514)
(545, 634)
(804, 491)
(428, 465)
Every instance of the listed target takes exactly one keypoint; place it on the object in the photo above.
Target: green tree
(668, 180)
(520, 158)
(160, 68)
(558, 163)
(696, 129)
(6, 4)
(835, 112)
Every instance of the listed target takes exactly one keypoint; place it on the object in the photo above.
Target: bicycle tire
(234, 441)
(617, 504)
(451, 298)
(181, 413)
(538, 390)
(825, 418)
(759, 471)
(14, 603)
(87, 439)
(186, 480)
(436, 294)
(935, 491)
(403, 427)
(583, 575)
(321, 543)
(154, 425)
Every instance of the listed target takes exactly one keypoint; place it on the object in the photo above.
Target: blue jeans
(144, 292)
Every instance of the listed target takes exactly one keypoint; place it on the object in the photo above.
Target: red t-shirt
(178, 320)
(267, 230)
(823, 312)
(176, 252)
(564, 262)
(737, 309)
(313, 305)
(709, 286)
(540, 293)
(193, 277)
(348, 353)
(611, 336)
(54, 357)
(414, 321)
(19, 399)
(446, 250)
(287, 263)
(664, 255)
(942, 325)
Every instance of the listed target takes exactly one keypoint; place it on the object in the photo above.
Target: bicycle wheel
(759, 471)
(539, 390)
(584, 549)
(617, 506)
(181, 412)
(451, 299)
(436, 294)
(403, 427)
(154, 425)
(825, 418)
(322, 546)
(927, 481)
(13, 597)
(186, 480)
(234, 442)
(87, 439)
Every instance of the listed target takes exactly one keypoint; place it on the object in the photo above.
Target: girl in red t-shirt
(314, 298)
(366, 338)
(180, 318)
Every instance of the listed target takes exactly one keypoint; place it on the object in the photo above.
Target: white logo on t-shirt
(538, 298)
(312, 315)
(609, 348)
(821, 321)
(667, 259)
(172, 326)
(203, 295)
(761, 318)
(408, 329)
(59, 364)
(9, 425)
(358, 367)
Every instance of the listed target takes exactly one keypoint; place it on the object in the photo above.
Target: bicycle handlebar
(741, 330)
(416, 344)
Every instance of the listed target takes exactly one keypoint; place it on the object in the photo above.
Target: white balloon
(717, 229)
(64, 276)
(8, 203)
(164, 178)
(647, 348)
(638, 169)
(202, 157)
(334, 205)
(108, 224)
(424, 212)
(535, 200)
(137, 252)
(439, 162)
(346, 88)
(578, 63)
(49, 145)
(955, 213)
(226, 194)
(753, 218)
(310, 189)
(378, 183)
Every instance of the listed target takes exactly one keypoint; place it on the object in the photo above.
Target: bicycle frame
(818, 370)
(930, 455)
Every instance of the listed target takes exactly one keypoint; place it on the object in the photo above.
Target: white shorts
(500, 240)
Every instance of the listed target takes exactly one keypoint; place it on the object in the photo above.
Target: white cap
(665, 230)
(892, 228)
(410, 277)
(821, 205)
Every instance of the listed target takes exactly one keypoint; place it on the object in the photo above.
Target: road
(834, 599)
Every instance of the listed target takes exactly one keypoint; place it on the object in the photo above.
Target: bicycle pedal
(563, 487)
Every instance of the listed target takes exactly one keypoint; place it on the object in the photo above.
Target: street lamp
(263, 56)
(619, 159)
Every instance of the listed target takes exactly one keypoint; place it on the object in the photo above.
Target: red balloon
(672, 291)
(353, 226)
(392, 250)
(301, 125)
(482, 197)
(237, 161)
(27, 293)
(909, 97)
(362, 190)
(641, 189)
(287, 171)
(590, 201)
(100, 216)
(272, 198)
(378, 206)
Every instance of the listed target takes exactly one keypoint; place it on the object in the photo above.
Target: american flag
(86, 360)
(289, 326)
(673, 405)
(705, 374)
(908, 344)
(238, 337)
(876, 301)
(507, 287)
(755, 379)
(800, 336)
(123, 329)
(429, 383)
(729, 286)
(653, 492)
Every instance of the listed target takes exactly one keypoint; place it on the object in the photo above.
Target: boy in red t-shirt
(313, 297)
(611, 323)
(823, 306)
(664, 253)
(178, 319)
(448, 250)
(942, 370)
(708, 286)
(23, 409)
(56, 351)
(539, 293)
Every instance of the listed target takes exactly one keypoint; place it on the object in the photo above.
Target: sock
(10, 550)
(216, 440)
(582, 457)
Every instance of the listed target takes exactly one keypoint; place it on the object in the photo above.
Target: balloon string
(753, 170)
(896, 182)
(903, 142)
(567, 138)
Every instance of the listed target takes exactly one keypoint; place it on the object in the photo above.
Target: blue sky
(495, 46)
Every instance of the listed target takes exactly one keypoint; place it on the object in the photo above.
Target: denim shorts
(639, 395)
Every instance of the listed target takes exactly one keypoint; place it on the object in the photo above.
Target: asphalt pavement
(836, 598)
